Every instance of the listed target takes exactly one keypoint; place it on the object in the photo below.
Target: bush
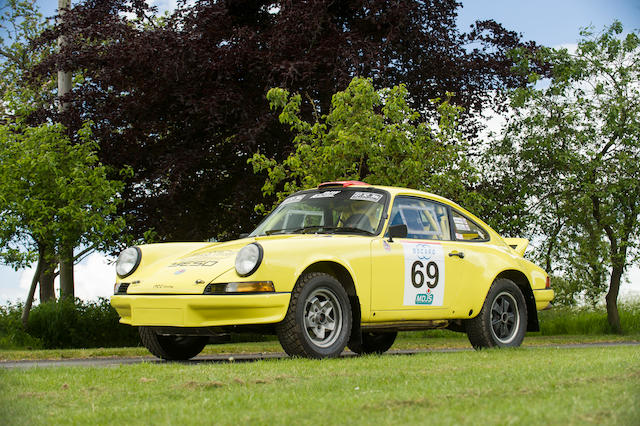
(12, 334)
(588, 320)
(78, 324)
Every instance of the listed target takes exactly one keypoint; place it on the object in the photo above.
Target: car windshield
(331, 211)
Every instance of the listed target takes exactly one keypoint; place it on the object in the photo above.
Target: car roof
(394, 190)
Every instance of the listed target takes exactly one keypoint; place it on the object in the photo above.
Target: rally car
(345, 264)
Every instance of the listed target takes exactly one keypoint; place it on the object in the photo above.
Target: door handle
(457, 253)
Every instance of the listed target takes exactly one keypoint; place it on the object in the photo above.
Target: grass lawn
(434, 339)
(530, 385)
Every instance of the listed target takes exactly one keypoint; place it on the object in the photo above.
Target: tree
(374, 136)
(181, 99)
(573, 144)
(20, 25)
(52, 191)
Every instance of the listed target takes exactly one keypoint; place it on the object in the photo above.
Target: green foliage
(12, 333)
(373, 136)
(572, 147)
(53, 192)
(588, 320)
(20, 24)
(65, 324)
(68, 324)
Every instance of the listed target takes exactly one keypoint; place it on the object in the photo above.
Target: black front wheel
(502, 322)
(318, 321)
(172, 347)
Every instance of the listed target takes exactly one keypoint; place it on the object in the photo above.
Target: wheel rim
(505, 318)
(322, 317)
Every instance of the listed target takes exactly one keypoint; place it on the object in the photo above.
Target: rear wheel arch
(520, 279)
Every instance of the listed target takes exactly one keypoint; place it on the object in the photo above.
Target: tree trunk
(64, 77)
(47, 277)
(47, 273)
(612, 300)
(66, 273)
(32, 291)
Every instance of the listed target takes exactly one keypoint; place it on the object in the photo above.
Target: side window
(466, 230)
(425, 220)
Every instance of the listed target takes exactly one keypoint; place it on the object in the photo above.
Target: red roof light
(343, 183)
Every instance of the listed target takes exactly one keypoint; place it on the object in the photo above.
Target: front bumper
(199, 310)
(543, 298)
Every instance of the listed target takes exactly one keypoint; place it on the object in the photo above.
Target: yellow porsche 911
(344, 265)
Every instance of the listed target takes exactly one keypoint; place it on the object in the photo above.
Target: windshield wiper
(352, 229)
(320, 229)
(275, 231)
(302, 230)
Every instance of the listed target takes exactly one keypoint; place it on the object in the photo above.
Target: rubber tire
(374, 343)
(479, 329)
(172, 348)
(291, 333)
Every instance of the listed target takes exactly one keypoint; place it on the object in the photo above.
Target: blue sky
(550, 23)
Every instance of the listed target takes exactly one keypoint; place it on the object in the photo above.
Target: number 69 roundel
(423, 274)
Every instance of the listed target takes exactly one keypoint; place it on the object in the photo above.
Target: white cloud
(94, 277)
(571, 47)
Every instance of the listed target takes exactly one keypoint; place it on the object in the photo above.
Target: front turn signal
(240, 288)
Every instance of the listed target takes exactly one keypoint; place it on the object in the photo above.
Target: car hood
(183, 268)
(186, 268)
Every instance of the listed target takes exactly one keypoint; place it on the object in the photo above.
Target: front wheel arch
(342, 274)
(318, 320)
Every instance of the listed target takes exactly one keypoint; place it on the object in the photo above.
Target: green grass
(560, 325)
(525, 385)
(434, 339)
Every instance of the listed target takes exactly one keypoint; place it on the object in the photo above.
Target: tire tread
(288, 331)
(477, 328)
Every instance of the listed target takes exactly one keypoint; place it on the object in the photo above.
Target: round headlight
(128, 261)
(248, 259)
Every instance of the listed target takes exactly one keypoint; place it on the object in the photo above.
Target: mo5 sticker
(423, 274)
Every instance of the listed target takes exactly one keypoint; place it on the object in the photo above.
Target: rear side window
(425, 219)
(467, 230)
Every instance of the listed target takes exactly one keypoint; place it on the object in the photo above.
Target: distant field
(515, 386)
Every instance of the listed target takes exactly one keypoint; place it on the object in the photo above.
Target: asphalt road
(250, 357)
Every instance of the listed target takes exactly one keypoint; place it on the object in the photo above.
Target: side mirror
(397, 231)
(243, 235)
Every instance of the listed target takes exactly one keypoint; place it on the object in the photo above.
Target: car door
(475, 260)
(414, 278)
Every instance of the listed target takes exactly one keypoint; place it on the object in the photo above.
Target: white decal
(367, 196)
(424, 274)
(326, 194)
(461, 224)
(293, 199)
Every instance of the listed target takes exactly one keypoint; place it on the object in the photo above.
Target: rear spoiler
(518, 244)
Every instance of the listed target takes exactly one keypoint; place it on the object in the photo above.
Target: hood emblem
(180, 271)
